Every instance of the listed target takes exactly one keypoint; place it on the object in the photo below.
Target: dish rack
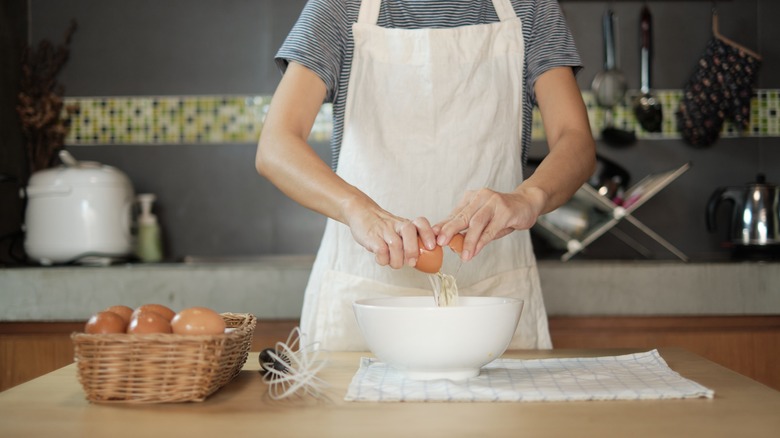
(608, 214)
(161, 368)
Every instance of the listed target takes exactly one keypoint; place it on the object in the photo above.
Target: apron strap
(369, 11)
(504, 10)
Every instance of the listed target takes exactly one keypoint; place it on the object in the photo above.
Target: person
(432, 107)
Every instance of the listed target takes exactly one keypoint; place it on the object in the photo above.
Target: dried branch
(40, 106)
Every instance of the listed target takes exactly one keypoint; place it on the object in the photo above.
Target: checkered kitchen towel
(640, 376)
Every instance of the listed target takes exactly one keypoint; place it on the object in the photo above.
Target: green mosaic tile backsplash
(239, 119)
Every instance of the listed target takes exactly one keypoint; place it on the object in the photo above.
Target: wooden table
(54, 406)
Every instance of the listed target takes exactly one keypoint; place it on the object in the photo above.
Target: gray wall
(681, 29)
(211, 201)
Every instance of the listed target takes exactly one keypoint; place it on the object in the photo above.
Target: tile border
(213, 119)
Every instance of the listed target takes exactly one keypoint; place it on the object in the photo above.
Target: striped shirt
(321, 40)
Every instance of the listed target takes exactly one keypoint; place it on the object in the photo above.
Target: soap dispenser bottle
(149, 245)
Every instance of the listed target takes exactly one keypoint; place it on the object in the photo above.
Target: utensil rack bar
(643, 191)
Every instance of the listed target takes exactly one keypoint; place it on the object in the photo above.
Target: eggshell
(456, 243)
(164, 311)
(105, 322)
(198, 321)
(146, 321)
(429, 261)
(124, 311)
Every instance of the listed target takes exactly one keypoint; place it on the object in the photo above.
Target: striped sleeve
(551, 43)
(318, 41)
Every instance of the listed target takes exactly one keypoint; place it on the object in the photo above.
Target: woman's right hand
(289, 162)
(392, 239)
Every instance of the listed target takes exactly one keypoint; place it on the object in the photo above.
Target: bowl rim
(498, 301)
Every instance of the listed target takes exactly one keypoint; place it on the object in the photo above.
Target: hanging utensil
(647, 108)
(609, 86)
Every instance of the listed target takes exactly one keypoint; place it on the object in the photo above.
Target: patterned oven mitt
(721, 88)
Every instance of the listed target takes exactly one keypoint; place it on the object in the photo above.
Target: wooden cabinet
(749, 345)
(31, 349)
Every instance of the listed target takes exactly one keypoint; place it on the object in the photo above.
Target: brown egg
(429, 261)
(123, 311)
(146, 321)
(105, 322)
(164, 311)
(198, 321)
(456, 243)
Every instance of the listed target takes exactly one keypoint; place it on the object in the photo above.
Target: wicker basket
(161, 368)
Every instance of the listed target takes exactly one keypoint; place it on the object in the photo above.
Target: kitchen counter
(54, 405)
(272, 288)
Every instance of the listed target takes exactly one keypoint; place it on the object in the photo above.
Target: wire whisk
(292, 367)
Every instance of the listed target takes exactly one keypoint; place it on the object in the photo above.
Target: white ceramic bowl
(428, 342)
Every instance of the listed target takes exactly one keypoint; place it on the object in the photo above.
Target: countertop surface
(55, 405)
(272, 287)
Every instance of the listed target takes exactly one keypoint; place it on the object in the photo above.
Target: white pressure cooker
(78, 212)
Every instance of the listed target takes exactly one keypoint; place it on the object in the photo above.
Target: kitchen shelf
(604, 215)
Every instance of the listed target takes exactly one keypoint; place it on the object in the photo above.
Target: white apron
(430, 113)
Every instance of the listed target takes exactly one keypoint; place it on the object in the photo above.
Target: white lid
(86, 174)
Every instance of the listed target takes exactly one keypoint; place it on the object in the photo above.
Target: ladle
(647, 108)
(609, 86)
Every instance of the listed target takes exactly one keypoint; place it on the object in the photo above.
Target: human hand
(392, 239)
(487, 215)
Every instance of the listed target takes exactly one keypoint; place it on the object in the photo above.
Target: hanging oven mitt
(720, 89)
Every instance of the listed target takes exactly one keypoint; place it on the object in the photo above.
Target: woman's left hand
(487, 215)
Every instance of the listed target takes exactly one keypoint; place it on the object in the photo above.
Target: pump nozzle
(149, 248)
(146, 200)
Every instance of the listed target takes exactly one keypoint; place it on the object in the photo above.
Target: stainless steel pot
(755, 213)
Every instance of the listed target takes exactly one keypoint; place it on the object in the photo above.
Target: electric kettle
(755, 215)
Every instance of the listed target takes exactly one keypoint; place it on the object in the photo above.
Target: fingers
(394, 241)
(381, 254)
(410, 232)
(376, 233)
(425, 231)
(392, 248)
(457, 221)
(485, 215)
(408, 250)
(462, 218)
